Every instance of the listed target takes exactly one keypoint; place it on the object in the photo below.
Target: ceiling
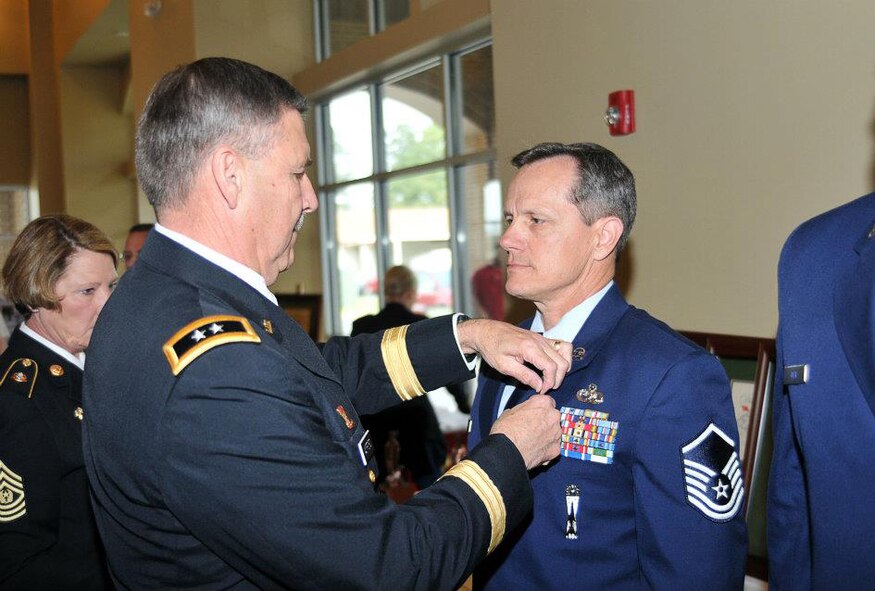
(107, 42)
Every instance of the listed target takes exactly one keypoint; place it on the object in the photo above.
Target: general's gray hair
(198, 106)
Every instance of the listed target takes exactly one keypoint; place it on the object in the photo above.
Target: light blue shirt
(565, 330)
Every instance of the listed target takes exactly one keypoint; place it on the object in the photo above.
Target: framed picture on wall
(305, 309)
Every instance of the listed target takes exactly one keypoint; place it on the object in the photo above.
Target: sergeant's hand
(533, 427)
(508, 348)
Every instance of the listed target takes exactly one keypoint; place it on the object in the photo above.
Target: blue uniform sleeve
(789, 554)
(258, 466)
(691, 531)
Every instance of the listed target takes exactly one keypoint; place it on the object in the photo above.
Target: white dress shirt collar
(77, 360)
(572, 321)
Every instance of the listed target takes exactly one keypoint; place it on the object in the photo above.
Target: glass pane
(413, 119)
(478, 101)
(348, 22)
(484, 212)
(393, 11)
(356, 253)
(419, 235)
(349, 129)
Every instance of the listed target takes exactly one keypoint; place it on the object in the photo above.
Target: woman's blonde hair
(40, 255)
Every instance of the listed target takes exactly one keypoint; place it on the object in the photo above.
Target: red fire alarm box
(620, 115)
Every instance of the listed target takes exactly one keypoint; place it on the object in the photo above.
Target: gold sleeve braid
(474, 476)
(398, 365)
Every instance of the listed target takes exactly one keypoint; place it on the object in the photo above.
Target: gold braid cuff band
(398, 365)
(479, 481)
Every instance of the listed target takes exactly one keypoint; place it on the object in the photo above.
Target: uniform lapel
(592, 337)
(854, 315)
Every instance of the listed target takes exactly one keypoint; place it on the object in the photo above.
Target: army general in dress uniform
(647, 492)
(59, 273)
(224, 449)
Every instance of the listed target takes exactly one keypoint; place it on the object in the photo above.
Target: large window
(341, 23)
(407, 177)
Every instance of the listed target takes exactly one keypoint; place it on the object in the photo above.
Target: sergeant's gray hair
(198, 106)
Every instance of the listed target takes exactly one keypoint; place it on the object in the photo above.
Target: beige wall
(278, 36)
(97, 138)
(752, 116)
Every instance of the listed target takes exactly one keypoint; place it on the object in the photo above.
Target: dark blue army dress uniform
(647, 492)
(48, 538)
(821, 516)
(225, 450)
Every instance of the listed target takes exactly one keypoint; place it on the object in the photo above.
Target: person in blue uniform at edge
(224, 449)
(422, 450)
(822, 481)
(59, 273)
(647, 490)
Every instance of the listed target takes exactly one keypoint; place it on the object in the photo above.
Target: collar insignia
(268, 326)
(56, 370)
(578, 353)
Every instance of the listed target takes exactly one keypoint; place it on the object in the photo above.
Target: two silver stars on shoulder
(199, 335)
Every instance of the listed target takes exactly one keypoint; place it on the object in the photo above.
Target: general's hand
(533, 427)
(508, 349)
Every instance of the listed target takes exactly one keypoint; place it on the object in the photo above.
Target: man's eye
(87, 291)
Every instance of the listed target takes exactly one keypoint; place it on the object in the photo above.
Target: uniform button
(78, 413)
(372, 475)
(56, 370)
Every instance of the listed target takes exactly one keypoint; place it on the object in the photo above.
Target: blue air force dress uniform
(822, 485)
(48, 538)
(226, 451)
(647, 491)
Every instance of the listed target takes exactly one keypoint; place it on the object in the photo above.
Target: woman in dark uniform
(59, 273)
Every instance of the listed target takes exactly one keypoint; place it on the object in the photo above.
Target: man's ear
(226, 166)
(608, 233)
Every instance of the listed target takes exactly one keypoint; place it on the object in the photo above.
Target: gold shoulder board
(198, 337)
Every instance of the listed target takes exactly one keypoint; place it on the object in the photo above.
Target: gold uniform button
(372, 475)
(56, 370)
(26, 362)
(78, 413)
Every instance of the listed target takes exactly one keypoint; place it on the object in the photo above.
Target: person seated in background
(136, 239)
(59, 274)
(416, 427)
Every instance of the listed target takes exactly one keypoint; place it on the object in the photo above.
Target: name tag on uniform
(795, 375)
(366, 447)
